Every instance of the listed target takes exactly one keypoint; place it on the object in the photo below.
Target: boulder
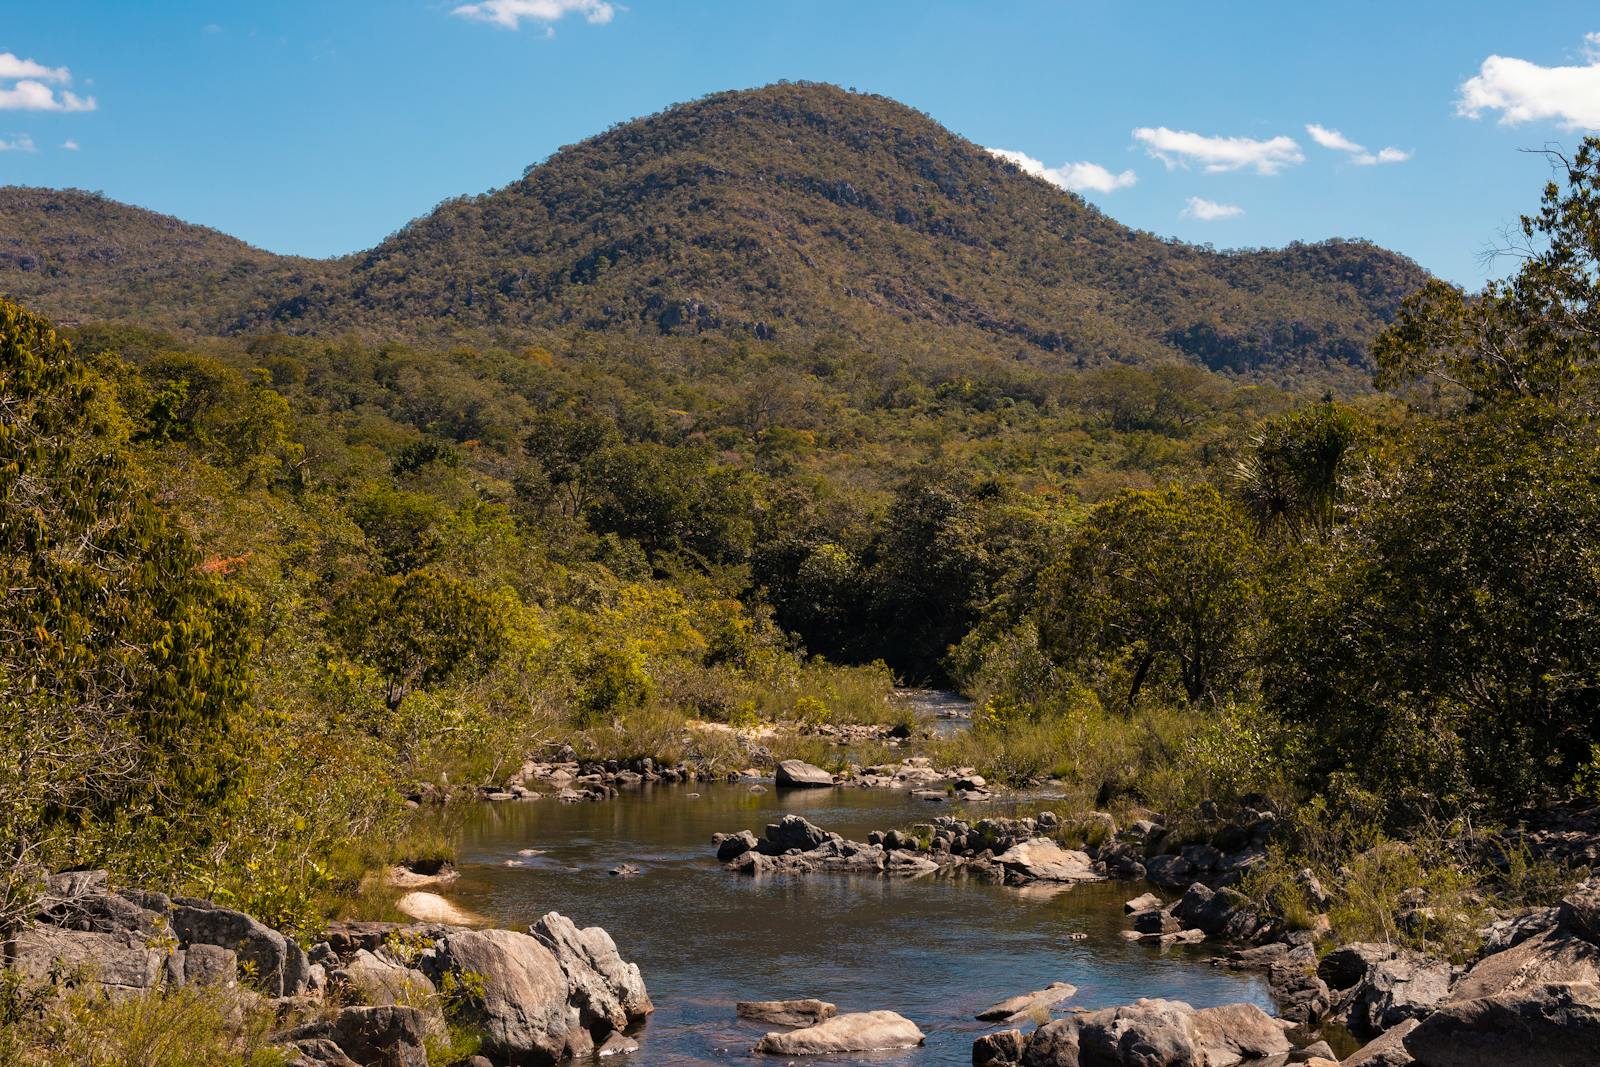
(1347, 966)
(319, 1052)
(786, 1012)
(374, 980)
(1170, 871)
(618, 1044)
(122, 963)
(1406, 987)
(1146, 902)
(1220, 912)
(524, 1014)
(1548, 958)
(1012, 1009)
(1147, 1033)
(798, 774)
(866, 1031)
(1387, 1050)
(792, 831)
(731, 846)
(1053, 1045)
(1041, 859)
(1554, 1025)
(1235, 1033)
(1317, 1050)
(607, 991)
(278, 965)
(387, 1036)
(1158, 921)
(1579, 912)
(998, 1050)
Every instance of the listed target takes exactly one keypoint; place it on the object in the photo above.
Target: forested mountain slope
(791, 213)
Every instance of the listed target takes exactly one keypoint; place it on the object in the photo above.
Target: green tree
(1293, 475)
(418, 630)
(1163, 576)
(123, 667)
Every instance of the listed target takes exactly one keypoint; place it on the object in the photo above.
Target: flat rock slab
(864, 1031)
(1046, 861)
(802, 775)
(786, 1012)
(1012, 1008)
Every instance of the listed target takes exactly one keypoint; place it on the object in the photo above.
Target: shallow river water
(937, 950)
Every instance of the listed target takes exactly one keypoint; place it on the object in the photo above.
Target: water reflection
(937, 950)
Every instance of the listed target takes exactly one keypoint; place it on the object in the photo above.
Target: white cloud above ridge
(511, 13)
(1523, 91)
(36, 87)
(1338, 142)
(1180, 148)
(1074, 177)
(1198, 207)
(19, 142)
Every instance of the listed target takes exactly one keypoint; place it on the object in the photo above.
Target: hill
(793, 212)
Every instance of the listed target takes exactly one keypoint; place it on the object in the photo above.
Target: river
(937, 950)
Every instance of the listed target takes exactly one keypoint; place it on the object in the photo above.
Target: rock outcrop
(865, 1031)
(798, 774)
(1147, 1033)
(786, 1012)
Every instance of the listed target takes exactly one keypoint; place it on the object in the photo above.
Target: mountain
(793, 212)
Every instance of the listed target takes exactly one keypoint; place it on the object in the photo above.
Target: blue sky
(320, 127)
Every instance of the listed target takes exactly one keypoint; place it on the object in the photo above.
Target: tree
(1163, 575)
(1294, 472)
(123, 668)
(418, 630)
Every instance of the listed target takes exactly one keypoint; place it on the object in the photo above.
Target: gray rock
(786, 1012)
(1158, 921)
(319, 1052)
(1053, 1045)
(280, 966)
(1550, 957)
(1147, 1033)
(1236, 1033)
(210, 965)
(732, 846)
(1554, 1025)
(998, 1050)
(1398, 989)
(1041, 859)
(792, 831)
(617, 1044)
(799, 774)
(1318, 1050)
(1147, 902)
(524, 1014)
(1220, 913)
(70, 884)
(1013, 1009)
(388, 1036)
(1579, 912)
(374, 980)
(607, 991)
(1346, 966)
(866, 1031)
(1386, 1050)
(120, 962)
(1168, 871)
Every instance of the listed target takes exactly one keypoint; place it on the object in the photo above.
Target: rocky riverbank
(367, 993)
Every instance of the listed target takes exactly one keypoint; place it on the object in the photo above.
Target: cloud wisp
(1181, 148)
(1074, 177)
(511, 13)
(17, 142)
(1338, 142)
(28, 85)
(1522, 91)
(1198, 207)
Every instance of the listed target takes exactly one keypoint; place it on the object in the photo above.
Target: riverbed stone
(798, 774)
(1041, 859)
(805, 1012)
(1003, 1049)
(1533, 1026)
(865, 1031)
(1012, 1009)
(523, 1014)
(732, 846)
(792, 832)
(1386, 1050)
(1144, 902)
(607, 991)
(1237, 1033)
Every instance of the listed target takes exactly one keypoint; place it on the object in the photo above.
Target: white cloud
(30, 87)
(1526, 92)
(11, 68)
(1358, 154)
(1207, 210)
(1075, 177)
(1217, 154)
(19, 142)
(510, 13)
(70, 145)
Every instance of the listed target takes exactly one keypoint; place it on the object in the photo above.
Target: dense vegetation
(798, 212)
(258, 586)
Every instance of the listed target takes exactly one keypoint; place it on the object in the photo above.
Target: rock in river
(799, 774)
(1012, 1008)
(1045, 861)
(865, 1031)
(786, 1012)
